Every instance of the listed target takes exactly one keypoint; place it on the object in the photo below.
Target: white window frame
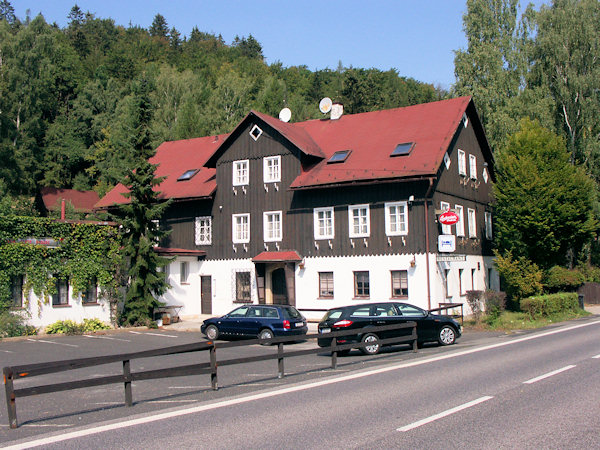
(272, 169)
(394, 218)
(203, 230)
(241, 172)
(272, 226)
(462, 163)
(460, 225)
(473, 167)
(240, 228)
(329, 223)
(446, 229)
(472, 223)
(258, 133)
(184, 272)
(488, 225)
(359, 216)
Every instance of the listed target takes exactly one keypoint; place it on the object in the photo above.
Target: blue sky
(416, 37)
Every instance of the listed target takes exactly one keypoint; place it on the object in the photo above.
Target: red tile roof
(81, 200)
(282, 256)
(174, 158)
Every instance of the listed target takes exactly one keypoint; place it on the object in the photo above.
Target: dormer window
(339, 156)
(403, 149)
(255, 132)
(188, 174)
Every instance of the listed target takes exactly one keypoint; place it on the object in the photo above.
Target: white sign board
(446, 243)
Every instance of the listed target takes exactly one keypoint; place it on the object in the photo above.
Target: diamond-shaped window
(255, 132)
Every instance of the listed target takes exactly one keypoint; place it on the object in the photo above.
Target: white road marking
(596, 357)
(47, 425)
(444, 414)
(286, 390)
(171, 401)
(154, 334)
(188, 387)
(6, 351)
(105, 337)
(51, 342)
(548, 375)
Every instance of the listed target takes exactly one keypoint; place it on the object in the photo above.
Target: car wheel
(447, 335)
(265, 334)
(212, 332)
(373, 344)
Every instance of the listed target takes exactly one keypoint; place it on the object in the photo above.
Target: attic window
(255, 132)
(403, 149)
(339, 156)
(188, 174)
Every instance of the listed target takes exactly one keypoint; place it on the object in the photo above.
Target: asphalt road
(484, 392)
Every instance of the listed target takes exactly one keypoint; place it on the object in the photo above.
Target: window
(396, 218)
(489, 278)
(323, 223)
(403, 149)
(460, 282)
(184, 272)
(460, 225)
(358, 221)
(472, 224)
(411, 311)
(241, 228)
(361, 284)
(203, 230)
(271, 169)
(473, 279)
(473, 167)
(447, 284)
(17, 291)
(272, 226)
(188, 174)
(255, 132)
(399, 283)
(462, 163)
(239, 312)
(240, 172)
(485, 175)
(326, 284)
(446, 229)
(156, 226)
(488, 225)
(339, 157)
(61, 296)
(242, 287)
(90, 295)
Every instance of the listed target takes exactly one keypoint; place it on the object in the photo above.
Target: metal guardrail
(13, 374)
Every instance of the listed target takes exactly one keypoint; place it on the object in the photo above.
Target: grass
(509, 321)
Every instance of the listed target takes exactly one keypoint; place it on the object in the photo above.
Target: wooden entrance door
(279, 287)
(206, 294)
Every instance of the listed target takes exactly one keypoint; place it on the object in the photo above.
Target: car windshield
(239, 312)
(332, 314)
(291, 313)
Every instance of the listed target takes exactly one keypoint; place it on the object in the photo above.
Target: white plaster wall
(40, 314)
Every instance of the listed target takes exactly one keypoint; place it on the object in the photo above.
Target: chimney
(337, 109)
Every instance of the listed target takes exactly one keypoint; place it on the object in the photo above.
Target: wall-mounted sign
(451, 258)
(448, 218)
(46, 242)
(446, 243)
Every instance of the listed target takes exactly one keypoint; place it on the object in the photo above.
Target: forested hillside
(65, 94)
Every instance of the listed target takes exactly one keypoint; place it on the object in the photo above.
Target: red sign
(449, 218)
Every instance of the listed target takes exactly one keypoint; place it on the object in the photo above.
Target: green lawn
(510, 320)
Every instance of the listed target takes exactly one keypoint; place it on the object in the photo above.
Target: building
(327, 212)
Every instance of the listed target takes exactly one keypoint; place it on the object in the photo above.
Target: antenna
(325, 105)
(285, 115)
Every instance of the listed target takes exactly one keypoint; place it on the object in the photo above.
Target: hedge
(547, 305)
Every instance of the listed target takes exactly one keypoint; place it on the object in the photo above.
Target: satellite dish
(285, 115)
(325, 105)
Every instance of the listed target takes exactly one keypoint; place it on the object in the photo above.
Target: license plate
(325, 330)
(299, 324)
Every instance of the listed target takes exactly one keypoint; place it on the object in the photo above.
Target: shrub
(475, 304)
(522, 278)
(561, 279)
(547, 305)
(64, 327)
(94, 325)
(11, 325)
(495, 303)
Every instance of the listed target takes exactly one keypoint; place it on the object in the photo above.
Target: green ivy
(87, 251)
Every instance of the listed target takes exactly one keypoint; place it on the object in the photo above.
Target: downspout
(427, 243)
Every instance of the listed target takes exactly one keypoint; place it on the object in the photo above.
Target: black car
(256, 321)
(430, 327)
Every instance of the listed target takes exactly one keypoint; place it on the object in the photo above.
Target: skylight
(339, 156)
(188, 174)
(403, 149)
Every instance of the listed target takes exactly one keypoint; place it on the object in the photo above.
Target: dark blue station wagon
(252, 321)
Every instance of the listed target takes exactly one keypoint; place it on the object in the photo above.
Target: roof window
(339, 156)
(188, 174)
(403, 149)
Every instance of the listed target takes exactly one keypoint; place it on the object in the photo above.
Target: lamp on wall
(413, 262)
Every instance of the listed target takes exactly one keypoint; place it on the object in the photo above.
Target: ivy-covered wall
(84, 252)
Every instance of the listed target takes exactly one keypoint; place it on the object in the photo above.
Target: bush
(522, 278)
(547, 305)
(560, 279)
(11, 325)
(90, 325)
(64, 327)
(495, 304)
(475, 304)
